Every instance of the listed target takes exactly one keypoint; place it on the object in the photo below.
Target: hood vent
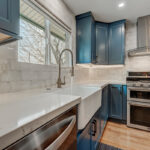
(143, 38)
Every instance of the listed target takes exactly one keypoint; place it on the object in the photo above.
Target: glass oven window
(140, 115)
(140, 94)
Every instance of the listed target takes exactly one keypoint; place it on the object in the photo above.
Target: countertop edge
(35, 124)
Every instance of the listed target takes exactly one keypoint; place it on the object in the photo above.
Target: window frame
(48, 20)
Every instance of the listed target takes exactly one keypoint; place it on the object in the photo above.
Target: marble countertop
(21, 113)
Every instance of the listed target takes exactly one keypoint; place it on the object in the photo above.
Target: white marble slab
(22, 113)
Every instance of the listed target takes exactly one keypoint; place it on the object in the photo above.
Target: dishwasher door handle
(61, 138)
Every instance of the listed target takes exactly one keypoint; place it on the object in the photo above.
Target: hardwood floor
(120, 136)
(106, 147)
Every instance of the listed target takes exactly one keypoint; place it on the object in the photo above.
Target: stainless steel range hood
(143, 38)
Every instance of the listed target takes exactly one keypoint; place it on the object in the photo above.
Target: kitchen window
(43, 39)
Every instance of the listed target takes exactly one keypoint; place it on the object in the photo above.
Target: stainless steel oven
(138, 115)
(139, 94)
(138, 100)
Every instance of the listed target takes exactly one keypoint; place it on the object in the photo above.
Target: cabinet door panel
(84, 40)
(5, 10)
(102, 43)
(124, 102)
(116, 102)
(9, 15)
(104, 109)
(93, 44)
(95, 130)
(84, 140)
(116, 43)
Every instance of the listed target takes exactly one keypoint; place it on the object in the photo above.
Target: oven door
(138, 115)
(138, 94)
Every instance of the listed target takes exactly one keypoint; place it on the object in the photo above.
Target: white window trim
(35, 4)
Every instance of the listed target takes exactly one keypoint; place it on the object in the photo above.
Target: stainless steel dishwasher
(58, 134)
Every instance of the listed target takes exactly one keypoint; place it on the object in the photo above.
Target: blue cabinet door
(99, 120)
(104, 109)
(102, 43)
(124, 103)
(9, 15)
(117, 42)
(95, 130)
(93, 42)
(84, 139)
(85, 38)
(116, 102)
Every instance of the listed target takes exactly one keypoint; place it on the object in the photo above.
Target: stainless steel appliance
(58, 134)
(138, 100)
(143, 37)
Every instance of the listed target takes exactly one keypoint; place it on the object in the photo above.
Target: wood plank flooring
(120, 136)
(106, 147)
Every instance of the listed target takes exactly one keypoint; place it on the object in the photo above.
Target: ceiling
(108, 10)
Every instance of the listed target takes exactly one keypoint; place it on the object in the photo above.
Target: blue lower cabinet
(88, 139)
(118, 102)
(124, 116)
(95, 130)
(84, 138)
(99, 120)
(104, 108)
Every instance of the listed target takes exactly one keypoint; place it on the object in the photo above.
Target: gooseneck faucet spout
(59, 82)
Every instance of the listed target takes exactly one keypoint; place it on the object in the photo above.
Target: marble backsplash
(17, 76)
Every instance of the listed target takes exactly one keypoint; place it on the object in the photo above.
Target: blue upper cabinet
(85, 29)
(117, 42)
(9, 18)
(99, 43)
(102, 43)
(9, 15)
(110, 42)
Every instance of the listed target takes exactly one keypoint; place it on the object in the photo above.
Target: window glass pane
(35, 29)
(31, 48)
(59, 40)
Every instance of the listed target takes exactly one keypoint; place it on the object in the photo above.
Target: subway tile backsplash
(17, 76)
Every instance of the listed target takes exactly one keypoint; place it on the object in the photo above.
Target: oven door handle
(59, 141)
(139, 89)
(139, 104)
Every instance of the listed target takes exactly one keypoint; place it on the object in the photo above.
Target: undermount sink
(90, 103)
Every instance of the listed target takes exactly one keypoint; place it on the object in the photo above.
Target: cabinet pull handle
(94, 127)
(59, 141)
